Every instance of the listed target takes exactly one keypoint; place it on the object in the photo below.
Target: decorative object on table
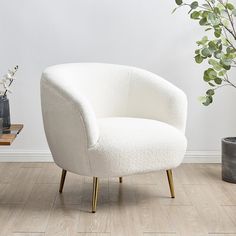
(5, 83)
(120, 121)
(1, 124)
(219, 51)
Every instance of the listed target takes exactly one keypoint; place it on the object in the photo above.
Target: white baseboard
(25, 156)
(45, 156)
(202, 157)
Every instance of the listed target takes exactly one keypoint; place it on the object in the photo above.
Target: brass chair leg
(63, 176)
(171, 183)
(95, 194)
(120, 179)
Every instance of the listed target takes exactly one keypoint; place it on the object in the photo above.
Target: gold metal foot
(63, 176)
(95, 194)
(120, 179)
(171, 183)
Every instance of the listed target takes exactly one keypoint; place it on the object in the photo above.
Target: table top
(7, 136)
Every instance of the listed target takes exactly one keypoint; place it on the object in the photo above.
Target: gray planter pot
(229, 159)
(5, 112)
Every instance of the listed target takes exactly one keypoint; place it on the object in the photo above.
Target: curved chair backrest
(114, 90)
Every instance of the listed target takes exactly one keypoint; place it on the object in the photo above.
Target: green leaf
(212, 62)
(216, 10)
(211, 84)
(226, 67)
(203, 21)
(207, 29)
(225, 22)
(225, 61)
(212, 73)
(213, 19)
(209, 74)
(210, 92)
(195, 15)
(194, 5)
(217, 66)
(212, 46)
(205, 5)
(198, 59)
(203, 41)
(229, 6)
(206, 52)
(222, 73)
(219, 45)
(224, 41)
(230, 50)
(220, 6)
(202, 99)
(178, 2)
(208, 101)
(218, 80)
(217, 32)
(218, 54)
(205, 14)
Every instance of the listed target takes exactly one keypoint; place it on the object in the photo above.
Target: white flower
(7, 80)
(9, 76)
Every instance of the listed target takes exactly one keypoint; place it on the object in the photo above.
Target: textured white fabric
(80, 106)
(133, 145)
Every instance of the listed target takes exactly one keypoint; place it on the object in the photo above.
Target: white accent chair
(104, 120)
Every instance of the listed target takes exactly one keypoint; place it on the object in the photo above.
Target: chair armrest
(64, 102)
(153, 97)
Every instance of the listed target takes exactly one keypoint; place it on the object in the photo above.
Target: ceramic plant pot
(229, 159)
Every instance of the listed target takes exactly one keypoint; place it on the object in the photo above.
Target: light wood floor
(30, 204)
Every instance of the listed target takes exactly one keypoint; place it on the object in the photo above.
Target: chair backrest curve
(113, 90)
(105, 86)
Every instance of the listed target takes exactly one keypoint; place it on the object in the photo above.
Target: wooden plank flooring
(30, 204)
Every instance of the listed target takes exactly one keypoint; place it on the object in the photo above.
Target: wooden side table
(7, 136)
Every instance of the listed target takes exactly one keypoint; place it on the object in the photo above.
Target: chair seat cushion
(131, 145)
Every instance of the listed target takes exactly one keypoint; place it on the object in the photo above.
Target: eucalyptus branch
(220, 86)
(227, 39)
(233, 31)
(230, 31)
(231, 21)
(220, 51)
(227, 79)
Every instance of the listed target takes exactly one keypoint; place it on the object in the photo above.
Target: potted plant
(219, 50)
(5, 83)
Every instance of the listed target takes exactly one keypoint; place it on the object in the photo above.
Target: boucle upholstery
(111, 120)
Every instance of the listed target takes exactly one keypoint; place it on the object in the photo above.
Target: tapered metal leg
(95, 194)
(171, 183)
(120, 179)
(63, 176)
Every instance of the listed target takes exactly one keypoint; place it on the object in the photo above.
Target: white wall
(143, 33)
